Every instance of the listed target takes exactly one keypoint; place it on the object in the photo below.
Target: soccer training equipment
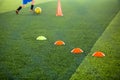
(59, 43)
(59, 9)
(38, 10)
(77, 51)
(98, 54)
(41, 38)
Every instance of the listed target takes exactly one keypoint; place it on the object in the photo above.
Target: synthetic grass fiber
(107, 68)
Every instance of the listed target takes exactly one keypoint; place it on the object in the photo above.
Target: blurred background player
(24, 4)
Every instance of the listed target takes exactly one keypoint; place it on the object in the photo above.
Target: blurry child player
(24, 4)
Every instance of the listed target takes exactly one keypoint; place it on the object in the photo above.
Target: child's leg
(32, 5)
(19, 8)
(33, 2)
(22, 6)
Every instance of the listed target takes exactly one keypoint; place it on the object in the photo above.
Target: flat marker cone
(59, 10)
(41, 38)
(77, 51)
(59, 43)
(98, 54)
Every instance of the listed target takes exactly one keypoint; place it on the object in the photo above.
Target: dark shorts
(26, 1)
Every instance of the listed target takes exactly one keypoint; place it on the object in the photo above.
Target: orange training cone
(77, 51)
(98, 54)
(59, 10)
(59, 43)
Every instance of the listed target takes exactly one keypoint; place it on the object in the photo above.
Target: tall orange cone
(59, 10)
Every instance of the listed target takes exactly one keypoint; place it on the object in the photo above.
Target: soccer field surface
(22, 57)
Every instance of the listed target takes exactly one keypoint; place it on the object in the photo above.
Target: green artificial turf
(108, 67)
(23, 57)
